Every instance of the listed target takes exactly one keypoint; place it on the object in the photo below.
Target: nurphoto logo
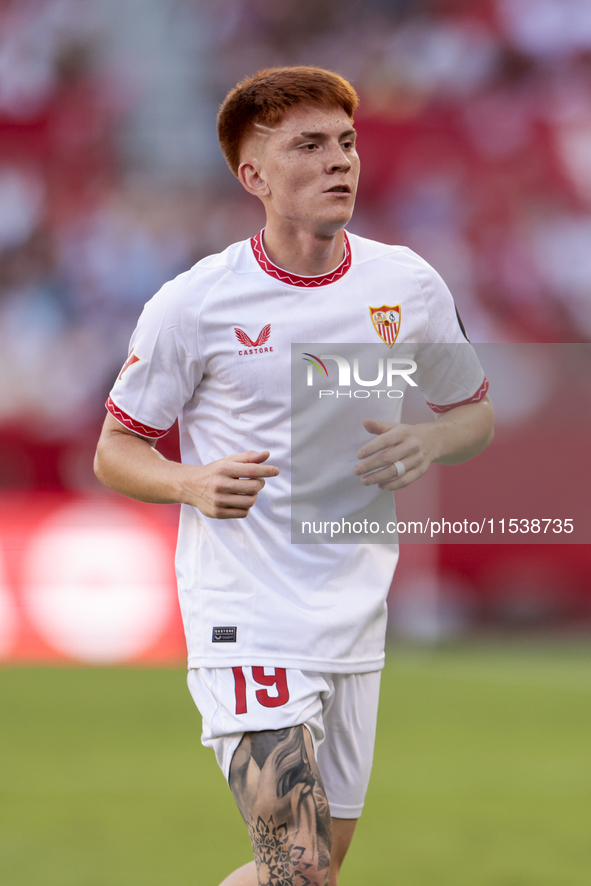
(386, 372)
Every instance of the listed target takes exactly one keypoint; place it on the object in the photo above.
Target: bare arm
(456, 436)
(224, 489)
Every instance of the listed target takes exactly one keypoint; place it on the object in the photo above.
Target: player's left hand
(413, 445)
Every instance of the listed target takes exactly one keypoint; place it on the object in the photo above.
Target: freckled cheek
(296, 200)
(291, 200)
(296, 187)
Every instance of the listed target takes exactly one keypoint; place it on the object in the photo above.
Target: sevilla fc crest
(386, 321)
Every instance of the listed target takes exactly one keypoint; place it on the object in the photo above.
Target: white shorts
(339, 710)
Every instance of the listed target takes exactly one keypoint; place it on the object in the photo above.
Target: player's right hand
(228, 488)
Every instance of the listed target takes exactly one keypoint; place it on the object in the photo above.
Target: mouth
(339, 189)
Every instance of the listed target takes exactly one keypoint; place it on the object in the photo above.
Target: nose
(338, 160)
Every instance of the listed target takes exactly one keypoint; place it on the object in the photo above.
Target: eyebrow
(324, 135)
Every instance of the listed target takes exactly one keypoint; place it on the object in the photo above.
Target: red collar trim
(285, 277)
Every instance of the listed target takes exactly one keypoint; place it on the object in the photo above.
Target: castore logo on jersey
(254, 347)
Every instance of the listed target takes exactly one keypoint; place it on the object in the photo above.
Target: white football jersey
(213, 349)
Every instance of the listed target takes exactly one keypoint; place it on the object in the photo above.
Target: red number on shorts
(278, 679)
(240, 684)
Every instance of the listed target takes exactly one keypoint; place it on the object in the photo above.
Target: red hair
(266, 98)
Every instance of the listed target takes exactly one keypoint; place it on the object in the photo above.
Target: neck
(304, 253)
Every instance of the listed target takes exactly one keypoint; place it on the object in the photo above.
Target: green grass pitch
(482, 776)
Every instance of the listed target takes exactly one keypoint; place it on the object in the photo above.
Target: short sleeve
(449, 373)
(162, 370)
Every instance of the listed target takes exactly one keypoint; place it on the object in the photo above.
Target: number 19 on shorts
(278, 679)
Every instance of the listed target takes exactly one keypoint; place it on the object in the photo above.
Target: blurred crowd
(475, 137)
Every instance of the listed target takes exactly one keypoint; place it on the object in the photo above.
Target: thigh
(342, 830)
(278, 788)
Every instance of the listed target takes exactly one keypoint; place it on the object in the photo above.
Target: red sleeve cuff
(133, 425)
(479, 395)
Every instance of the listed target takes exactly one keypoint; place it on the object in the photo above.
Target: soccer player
(285, 641)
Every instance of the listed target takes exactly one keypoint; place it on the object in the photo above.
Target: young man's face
(307, 167)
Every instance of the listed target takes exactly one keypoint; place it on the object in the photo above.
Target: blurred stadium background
(475, 135)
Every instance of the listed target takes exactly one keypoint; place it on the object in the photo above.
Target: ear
(251, 177)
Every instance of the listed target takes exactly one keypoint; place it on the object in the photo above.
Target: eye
(310, 147)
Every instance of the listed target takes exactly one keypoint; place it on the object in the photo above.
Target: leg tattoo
(279, 791)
